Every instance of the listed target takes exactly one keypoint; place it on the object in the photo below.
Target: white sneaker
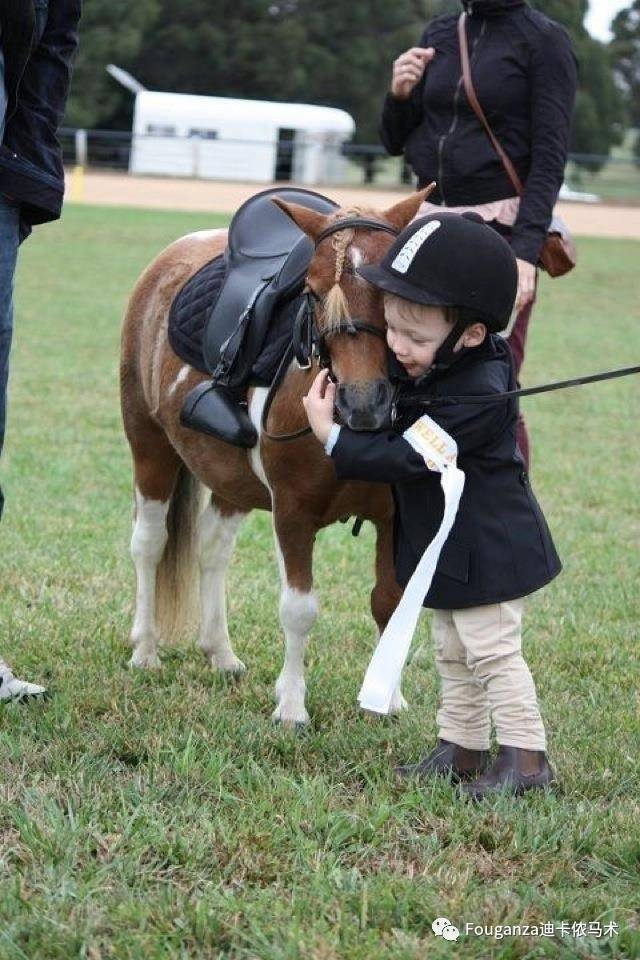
(11, 688)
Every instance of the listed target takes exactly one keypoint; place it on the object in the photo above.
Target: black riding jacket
(499, 547)
(524, 73)
(39, 39)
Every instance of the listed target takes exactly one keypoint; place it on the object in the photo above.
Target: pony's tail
(176, 577)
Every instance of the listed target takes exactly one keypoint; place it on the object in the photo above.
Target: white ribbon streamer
(383, 674)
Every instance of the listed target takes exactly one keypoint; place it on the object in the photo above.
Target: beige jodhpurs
(483, 676)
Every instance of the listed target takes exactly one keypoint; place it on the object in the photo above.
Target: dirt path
(159, 193)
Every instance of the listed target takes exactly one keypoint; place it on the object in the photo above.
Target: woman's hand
(318, 405)
(408, 70)
(526, 284)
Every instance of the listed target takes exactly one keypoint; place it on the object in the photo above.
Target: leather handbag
(558, 253)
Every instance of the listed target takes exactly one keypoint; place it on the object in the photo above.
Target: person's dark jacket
(499, 547)
(524, 73)
(39, 39)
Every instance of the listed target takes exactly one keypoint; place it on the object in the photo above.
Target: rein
(419, 401)
(307, 341)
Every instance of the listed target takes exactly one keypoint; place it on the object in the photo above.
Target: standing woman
(524, 74)
(38, 39)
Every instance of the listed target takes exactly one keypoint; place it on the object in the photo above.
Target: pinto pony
(174, 528)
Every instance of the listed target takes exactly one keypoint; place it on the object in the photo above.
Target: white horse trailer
(221, 138)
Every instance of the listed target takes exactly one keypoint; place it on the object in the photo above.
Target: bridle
(308, 343)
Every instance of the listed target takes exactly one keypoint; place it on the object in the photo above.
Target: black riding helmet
(450, 260)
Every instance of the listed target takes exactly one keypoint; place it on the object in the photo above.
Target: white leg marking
(216, 540)
(147, 546)
(298, 612)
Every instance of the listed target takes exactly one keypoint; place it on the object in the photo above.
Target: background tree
(330, 52)
(112, 31)
(625, 53)
(598, 121)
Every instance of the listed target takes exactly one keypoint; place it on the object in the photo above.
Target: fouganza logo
(404, 258)
(445, 929)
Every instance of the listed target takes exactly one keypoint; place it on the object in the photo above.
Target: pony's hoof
(290, 717)
(229, 666)
(234, 669)
(146, 661)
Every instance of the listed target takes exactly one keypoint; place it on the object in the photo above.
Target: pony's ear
(403, 213)
(310, 221)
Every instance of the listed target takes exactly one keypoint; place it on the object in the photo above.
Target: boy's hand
(318, 405)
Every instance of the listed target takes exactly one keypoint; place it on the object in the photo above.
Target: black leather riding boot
(513, 771)
(216, 410)
(448, 759)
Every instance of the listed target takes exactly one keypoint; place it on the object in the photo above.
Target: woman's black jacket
(499, 547)
(524, 74)
(39, 39)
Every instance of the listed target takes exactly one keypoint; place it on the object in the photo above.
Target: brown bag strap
(473, 100)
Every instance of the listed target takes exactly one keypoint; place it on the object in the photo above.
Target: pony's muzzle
(365, 406)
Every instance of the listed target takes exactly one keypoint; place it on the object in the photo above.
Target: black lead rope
(526, 392)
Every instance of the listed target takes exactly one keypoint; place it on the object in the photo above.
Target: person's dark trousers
(517, 341)
(9, 240)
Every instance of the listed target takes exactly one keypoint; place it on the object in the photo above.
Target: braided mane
(335, 306)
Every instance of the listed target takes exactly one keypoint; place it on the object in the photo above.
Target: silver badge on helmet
(404, 258)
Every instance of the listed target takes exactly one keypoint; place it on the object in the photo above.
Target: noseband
(307, 341)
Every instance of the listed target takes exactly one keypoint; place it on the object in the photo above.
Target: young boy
(450, 283)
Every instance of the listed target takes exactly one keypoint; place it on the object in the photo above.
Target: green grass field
(163, 815)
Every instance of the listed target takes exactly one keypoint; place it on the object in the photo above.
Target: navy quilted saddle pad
(190, 312)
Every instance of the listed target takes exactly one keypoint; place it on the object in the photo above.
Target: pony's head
(349, 311)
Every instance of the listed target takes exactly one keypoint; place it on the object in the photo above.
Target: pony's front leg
(294, 535)
(217, 529)
(386, 593)
(148, 541)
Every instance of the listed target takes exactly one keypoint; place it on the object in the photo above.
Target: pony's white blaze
(216, 540)
(256, 406)
(148, 541)
(356, 256)
(182, 376)
(298, 612)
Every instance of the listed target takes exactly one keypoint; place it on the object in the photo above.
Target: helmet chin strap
(445, 354)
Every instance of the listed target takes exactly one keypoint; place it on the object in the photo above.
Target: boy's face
(414, 333)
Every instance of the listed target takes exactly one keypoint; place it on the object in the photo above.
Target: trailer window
(203, 133)
(160, 130)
